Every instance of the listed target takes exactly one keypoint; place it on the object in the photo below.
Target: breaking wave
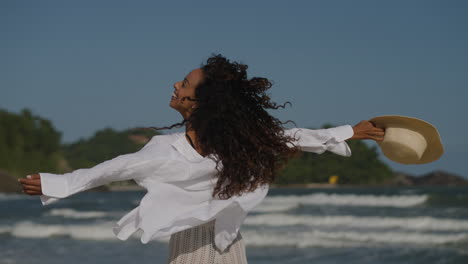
(70, 213)
(286, 202)
(308, 238)
(345, 221)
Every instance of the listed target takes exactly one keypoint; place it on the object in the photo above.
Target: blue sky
(87, 65)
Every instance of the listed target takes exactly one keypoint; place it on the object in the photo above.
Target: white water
(287, 202)
(70, 213)
(340, 221)
(90, 231)
(306, 238)
(321, 231)
(344, 239)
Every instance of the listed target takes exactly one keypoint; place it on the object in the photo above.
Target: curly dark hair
(231, 122)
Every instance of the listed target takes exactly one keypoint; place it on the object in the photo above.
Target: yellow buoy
(333, 179)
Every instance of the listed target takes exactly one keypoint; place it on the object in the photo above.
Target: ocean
(334, 225)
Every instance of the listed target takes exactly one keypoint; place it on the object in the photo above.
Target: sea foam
(92, 231)
(375, 222)
(71, 213)
(287, 202)
(254, 237)
(316, 238)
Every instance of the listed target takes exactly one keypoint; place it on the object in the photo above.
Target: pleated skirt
(196, 245)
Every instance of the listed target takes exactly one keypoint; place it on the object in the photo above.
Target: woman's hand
(31, 184)
(367, 130)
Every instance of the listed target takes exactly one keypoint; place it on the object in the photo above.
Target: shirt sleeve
(124, 167)
(321, 140)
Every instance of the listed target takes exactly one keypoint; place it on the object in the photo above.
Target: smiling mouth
(174, 96)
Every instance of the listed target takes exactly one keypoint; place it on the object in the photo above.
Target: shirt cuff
(45, 200)
(341, 133)
(53, 186)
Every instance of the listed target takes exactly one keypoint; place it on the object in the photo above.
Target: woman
(202, 183)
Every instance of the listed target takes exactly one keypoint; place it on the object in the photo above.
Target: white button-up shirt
(179, 183)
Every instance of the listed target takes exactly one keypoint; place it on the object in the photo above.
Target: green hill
(28, 143)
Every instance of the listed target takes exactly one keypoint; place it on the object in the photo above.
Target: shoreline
(124, 188)
(272, 186)
(119, 188)
(296, 186)
(306, 185)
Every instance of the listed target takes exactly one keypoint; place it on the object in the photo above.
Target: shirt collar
(184, 147)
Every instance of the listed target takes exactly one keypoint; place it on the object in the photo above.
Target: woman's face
(186, 88)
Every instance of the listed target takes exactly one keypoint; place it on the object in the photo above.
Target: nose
(176, 85)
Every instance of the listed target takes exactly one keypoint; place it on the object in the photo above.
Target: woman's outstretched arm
(52, 187)
(333, 139)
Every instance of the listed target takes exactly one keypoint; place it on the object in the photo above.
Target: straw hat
(408, 140)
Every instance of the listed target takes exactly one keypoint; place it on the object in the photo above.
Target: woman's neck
(193, 140)
(189, 131)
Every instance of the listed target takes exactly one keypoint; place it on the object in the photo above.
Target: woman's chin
(173, 104)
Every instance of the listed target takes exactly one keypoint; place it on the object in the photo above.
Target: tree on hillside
(28, 144)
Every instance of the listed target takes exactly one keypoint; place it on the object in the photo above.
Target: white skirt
(196, 245)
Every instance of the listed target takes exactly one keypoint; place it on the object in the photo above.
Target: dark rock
(401, 179)
(440, 177)
(437, 177)
(9, 184)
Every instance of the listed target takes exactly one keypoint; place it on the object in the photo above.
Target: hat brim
(434, 148)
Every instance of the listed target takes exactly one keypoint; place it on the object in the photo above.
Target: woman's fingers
(368, 130)
(35, 176)
(36, 182)
(31, 184)
(32, 187)
(31, 192)
(377, 134)
(377, 138)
